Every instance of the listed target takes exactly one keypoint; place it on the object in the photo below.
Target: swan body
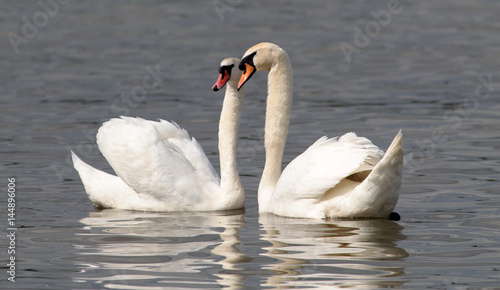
(342, 177)
(160, 167)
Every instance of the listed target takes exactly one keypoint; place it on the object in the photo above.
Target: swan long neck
(228, 135)
(279, 103)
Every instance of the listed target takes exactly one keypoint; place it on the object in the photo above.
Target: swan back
(324, 165)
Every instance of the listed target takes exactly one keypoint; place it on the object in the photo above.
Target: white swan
(160, 168)
(345, 176)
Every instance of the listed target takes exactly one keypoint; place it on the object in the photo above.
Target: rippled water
(430, 69)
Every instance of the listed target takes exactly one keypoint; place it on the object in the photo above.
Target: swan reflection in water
(140, 250)
(144, 250)
(342, 253)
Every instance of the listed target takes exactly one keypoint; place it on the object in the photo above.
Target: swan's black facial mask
(247, 59)
(248, 68)
(224, 77)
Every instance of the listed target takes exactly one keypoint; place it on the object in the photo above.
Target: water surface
(421, 72)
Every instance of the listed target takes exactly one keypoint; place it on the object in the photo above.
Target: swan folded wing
(324, 164)
(176, 137)
(148, 164)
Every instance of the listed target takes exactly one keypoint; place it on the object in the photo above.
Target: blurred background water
(429, 68)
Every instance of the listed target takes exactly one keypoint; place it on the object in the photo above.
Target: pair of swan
(161, 168)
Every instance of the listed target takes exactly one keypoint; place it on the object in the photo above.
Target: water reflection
(355, 253)
(151, 250)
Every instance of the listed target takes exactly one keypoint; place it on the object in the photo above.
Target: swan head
(225, 71)
(262, 56)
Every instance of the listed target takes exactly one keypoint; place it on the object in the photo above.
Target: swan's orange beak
(221, 82)
(247, 74)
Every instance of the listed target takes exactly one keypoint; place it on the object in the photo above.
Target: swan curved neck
(279, 102)
(229, 123)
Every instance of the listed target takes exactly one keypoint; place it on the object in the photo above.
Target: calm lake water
(429, 68)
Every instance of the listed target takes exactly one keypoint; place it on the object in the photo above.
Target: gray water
(429, 68)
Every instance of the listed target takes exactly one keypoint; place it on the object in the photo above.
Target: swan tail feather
(104, 190)
(383, 184)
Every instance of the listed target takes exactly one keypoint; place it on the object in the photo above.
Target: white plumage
(160, 167)
(346, 176)
(337, 178)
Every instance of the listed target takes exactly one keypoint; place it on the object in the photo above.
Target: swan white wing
(176, 137)
(151, 163)
(324, 164)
